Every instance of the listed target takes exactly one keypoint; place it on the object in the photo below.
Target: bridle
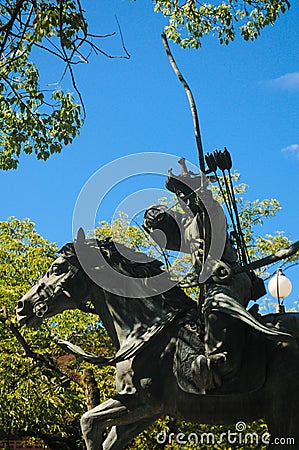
(47, 292)
(40, 308)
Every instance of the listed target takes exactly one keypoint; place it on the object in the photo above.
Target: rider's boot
(206, 371)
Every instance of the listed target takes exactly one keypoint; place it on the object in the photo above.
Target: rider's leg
(224, 344)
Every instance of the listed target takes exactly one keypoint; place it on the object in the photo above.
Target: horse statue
(160, 336)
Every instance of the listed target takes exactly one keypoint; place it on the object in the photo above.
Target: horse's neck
(121, 315)
(101, 309)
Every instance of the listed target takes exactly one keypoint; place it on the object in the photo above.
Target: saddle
(189, 345)
(285, 322)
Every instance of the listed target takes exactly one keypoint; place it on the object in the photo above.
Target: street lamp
(280, 287)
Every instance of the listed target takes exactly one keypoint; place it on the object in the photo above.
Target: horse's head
(64, 286)
(119, 282)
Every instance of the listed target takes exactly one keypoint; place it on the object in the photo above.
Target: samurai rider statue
(200, 229)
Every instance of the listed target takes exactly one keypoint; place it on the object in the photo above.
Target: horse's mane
(132, 263)
(121, 258)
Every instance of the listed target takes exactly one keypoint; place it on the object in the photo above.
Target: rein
(127, 351)
(124, 353)
(68, 347)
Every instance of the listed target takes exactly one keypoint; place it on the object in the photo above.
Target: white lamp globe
(280, 286)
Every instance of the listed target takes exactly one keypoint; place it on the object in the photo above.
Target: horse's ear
(80, 239)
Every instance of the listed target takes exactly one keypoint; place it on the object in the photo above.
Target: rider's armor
(226, 292)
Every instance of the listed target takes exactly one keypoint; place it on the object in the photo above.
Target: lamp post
(280, 287)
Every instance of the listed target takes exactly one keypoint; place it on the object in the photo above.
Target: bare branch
(99, 36)
(122, 38)
(66, 56)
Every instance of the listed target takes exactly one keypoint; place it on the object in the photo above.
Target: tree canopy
(190, 21)
(43, 119)
(33, 118)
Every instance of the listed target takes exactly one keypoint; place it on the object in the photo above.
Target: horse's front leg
(121, 435)
(118, 410)
(94, 421)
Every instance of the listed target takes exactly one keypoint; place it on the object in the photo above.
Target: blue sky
(247, 96)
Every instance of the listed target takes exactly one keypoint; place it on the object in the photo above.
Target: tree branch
(29, 353)
(42, 359)
(8, 26)
(91, 390)
(66, 56)
(122, 39)
(86, 381)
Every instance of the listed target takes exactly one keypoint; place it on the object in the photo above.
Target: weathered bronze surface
(214, 363)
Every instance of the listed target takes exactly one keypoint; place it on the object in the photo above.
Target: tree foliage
(35, 375)
(33, 118)
(41, 119)
(190, 20)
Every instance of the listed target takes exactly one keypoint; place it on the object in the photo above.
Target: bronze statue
(166, 329)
